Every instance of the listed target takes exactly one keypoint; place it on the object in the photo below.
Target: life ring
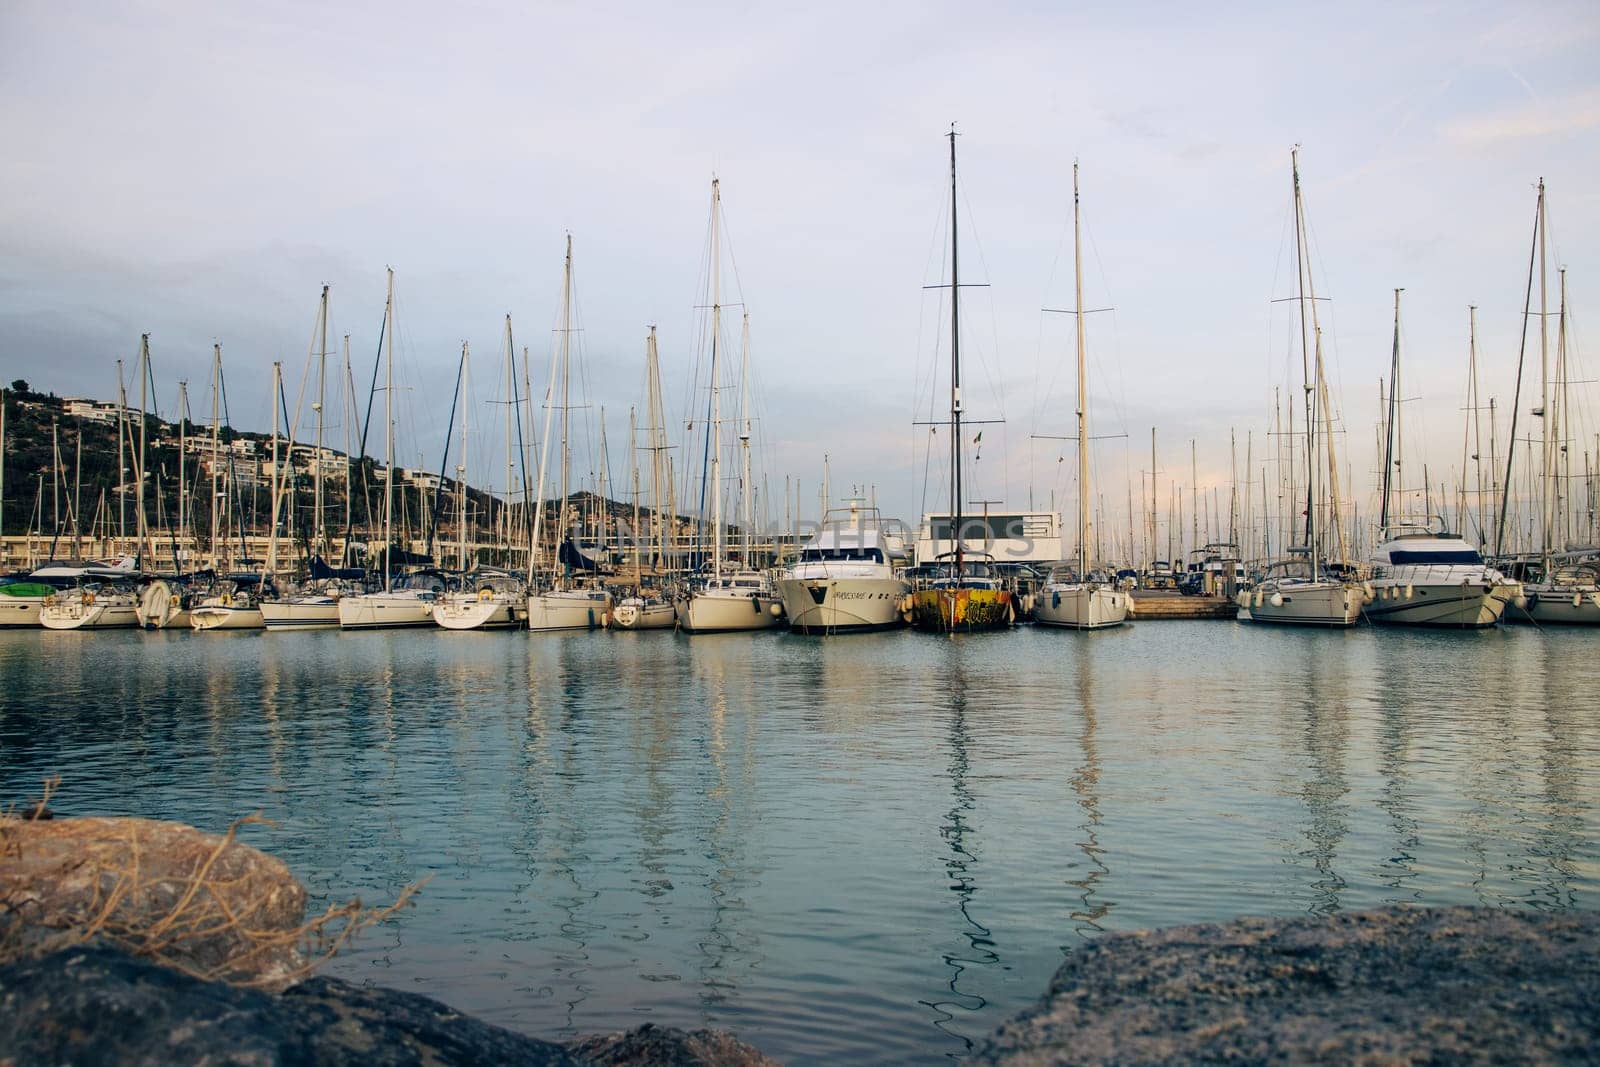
(87, 598)
(486, 593)
(49, 600)
(225, 599)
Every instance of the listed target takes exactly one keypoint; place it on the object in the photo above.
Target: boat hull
(568, 611)
(1556, 607)
(20, 611)
(317, 613)
(961, 610)
(226, 617)
(161, 608)
(478, 613)
(378, 611)
(710, 612)
(1326, 604)
(119, 614)
(842, 605)
(634, 614)
(1467, 606)
(1080, 607)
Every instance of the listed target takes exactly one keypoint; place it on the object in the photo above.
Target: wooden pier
(1156, 604)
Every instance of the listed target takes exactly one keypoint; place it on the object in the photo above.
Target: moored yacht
(1423, 576)
(236, 605)
(961, 592)
(92, 606)
(728, 600)
(1292, 592)
(645, 611)
(487, 600)
(1559, 590)
(844, 580)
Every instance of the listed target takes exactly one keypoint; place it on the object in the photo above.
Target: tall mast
(744, 440)
(144, 378)
(122, 461)
(511, 406)
(1547, 497)
(566, 397)
(461, 468)
(1391, 450)
(657, 438)
(272, 534)
(1083, 396)
(716, 393)
(955, 367)
(318, 519)
(388, 433)
(1563, 455)
(183, 447)
(349, 420)
(1154, 521)
(633, 459)
(1305, 368)
(216, 452)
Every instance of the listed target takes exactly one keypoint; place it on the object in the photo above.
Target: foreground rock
(1396, 985)
(94, 1004)
(201, 902)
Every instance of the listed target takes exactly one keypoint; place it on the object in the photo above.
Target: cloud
(1553, 118)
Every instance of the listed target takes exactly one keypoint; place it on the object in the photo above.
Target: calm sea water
(865, 848)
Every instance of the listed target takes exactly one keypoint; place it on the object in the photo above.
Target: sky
(199, 171)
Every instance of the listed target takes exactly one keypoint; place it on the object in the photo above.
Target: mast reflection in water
(863, 850)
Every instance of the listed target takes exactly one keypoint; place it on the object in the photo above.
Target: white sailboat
(1422, 574)
(1559, 587)
(844, 580)
(1301, 591)
(724, 598)
(314, 606)
(91, 606)
(648, 607)
(398, 603)
(562, 603)
(235, 606)
(1075, 600)
(488, 599)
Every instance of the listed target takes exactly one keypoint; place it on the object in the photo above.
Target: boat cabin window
(1464, 556)
(833, 555)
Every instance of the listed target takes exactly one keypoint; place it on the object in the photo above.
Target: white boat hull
(703, 612)
(1467, 605)
(310, 613)
(20, 611)
(478, 613)
(104, 613)
(1331, 604)
(568, 611)
(1575, 607)
(842, 605)
(384, 611)
(161, 608)
(226, 617)
(1080, 607)
(635, 614)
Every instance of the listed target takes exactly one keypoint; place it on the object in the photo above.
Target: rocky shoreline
(129, 940)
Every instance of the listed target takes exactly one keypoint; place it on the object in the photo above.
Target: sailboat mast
(388, 434)
(216, 416)
(272, 534)
(319, 521)
(511, 358)
(144, 377)
(716, 393)
(566, 398)
(1547, 498)
(657, 434)
(633, 457)
(461, 469)
(955, 366)
(1305, 368)
(1391, 448)
(1083, 398)
(744, 441)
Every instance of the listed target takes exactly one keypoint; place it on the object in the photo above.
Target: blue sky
(199, 171)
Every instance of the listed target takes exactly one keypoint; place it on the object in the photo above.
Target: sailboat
(398, 603)
(1558, 587)
(1421, 573)
(558, 602)
(649, 608)
(314, 606)
(961, 590)
(489, 599)
(1076, 600)
(725, 598)
(1303, 592)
